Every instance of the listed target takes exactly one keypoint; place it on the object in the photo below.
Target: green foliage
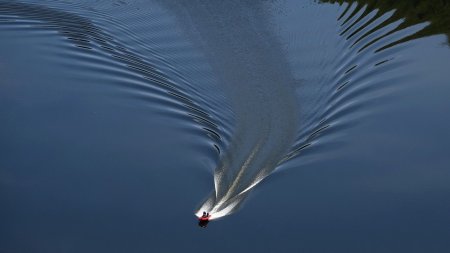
(413, 11)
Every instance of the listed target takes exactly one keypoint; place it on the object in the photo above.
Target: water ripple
(104, 54)
(369, 49)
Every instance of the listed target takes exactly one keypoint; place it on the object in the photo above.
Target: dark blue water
(305, 126)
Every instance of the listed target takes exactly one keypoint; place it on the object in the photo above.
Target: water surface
(323, 123)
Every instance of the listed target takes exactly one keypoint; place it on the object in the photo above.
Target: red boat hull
(204, 218)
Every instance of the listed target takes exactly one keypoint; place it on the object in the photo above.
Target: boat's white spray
(254, 74)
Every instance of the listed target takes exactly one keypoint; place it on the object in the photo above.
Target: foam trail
(252, 70)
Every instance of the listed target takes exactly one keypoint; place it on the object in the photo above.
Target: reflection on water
(119, 116)
(413, 12)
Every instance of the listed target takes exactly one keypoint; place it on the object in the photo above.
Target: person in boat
(203, 221)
